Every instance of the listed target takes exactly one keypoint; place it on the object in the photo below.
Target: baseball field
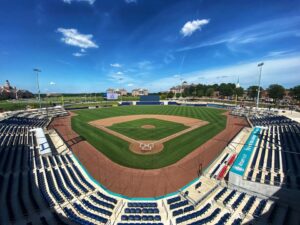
(118, 150)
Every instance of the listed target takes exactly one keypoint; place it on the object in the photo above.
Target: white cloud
(78, 54)
(131, 1)
(116, 65)
(74, 38)
(52, 83)
(259, 32)
(191, 26)
(275, 70)
(169, 58)
(82, 50)
(279, 53)
(130, 85)
(116, 77)
(88, 1)
(120, 78)
(145, 65)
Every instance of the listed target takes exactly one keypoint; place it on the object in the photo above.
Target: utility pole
(38, 85)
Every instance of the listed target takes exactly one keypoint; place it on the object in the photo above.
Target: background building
(139, 92)
(177, 89)
(119, 91)
(9, 92)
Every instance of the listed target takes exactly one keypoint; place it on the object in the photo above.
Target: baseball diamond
(117, 149)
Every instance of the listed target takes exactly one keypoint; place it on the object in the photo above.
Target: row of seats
(184, 210)
(144, 223)
(142, 204)
(223, 219)
(87, 213)
(139, 218)
(142, 210)
(75, 218)
(207, 219)
(179, 204)
(270, 120)
(173, 200)
(32, 122)
(193, 215)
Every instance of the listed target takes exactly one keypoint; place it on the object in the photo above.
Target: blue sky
(90, 45)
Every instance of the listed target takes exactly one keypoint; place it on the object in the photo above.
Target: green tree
(276, 91)
(209, 92)
(200, 92)
(163, 96)
(295, 92)
(226, 89)
(170, 95)
(178, 95)
(239, 91)
(252, 91)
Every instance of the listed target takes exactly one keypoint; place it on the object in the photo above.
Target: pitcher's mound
(148, 126)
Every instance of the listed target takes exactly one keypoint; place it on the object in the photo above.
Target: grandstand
(55, 188)
(275, 155)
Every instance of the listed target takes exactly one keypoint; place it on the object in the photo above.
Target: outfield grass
(117, 149)
(134, 128)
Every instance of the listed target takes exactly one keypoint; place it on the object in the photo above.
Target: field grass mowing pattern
(117, 149)
(161, 128)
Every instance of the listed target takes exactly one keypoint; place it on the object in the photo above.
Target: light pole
(38, 84)
(181, 88)
(260, 65)
(120, 79)
(236, 87)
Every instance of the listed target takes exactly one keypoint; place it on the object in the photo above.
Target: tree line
(229, 90)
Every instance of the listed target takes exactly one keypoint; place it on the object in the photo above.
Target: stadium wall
(149, 98)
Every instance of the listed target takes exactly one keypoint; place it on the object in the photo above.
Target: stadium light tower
(120, 79)
(181, 79)
(38, 85)
(260, 65)
(237, 86)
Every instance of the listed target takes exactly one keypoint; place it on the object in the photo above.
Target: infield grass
(118, 150)
(161, 128)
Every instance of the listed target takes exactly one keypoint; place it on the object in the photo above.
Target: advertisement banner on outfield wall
(112, 96)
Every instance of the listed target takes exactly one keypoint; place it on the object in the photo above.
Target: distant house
(216, 94)
(177, 89)
(9, 92)
(139, 92)
(110, 90)
(119, 91)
